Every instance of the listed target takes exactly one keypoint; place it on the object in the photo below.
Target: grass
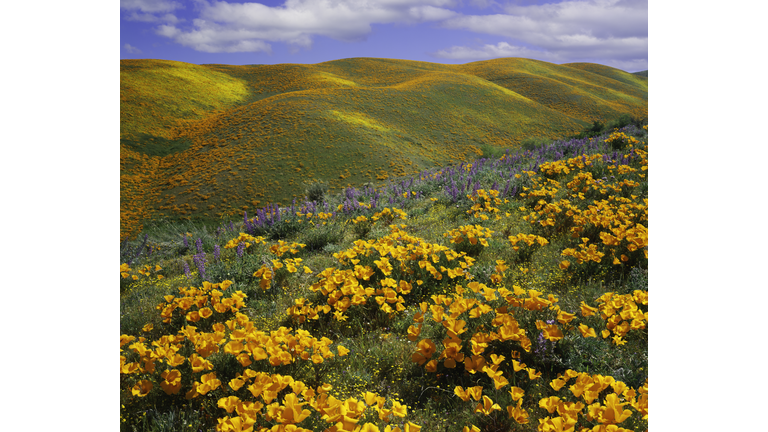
(367, 298)
(211, 141)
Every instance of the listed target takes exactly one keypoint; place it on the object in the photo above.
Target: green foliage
(362, 229)
(599, 128)
(318, 238)
(623, 120)
(493, 152)
(176, 419)
(533, 143)
(315, 191)
(151, 145)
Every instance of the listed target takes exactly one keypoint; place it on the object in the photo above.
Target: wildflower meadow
(205, 142)
(504, 292)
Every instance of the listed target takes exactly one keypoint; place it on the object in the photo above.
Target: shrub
(316, 190)
(623, 120)
(533, 143)
(321, 236)
(492, 152)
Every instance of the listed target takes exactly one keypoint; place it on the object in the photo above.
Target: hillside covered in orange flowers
(208, 141)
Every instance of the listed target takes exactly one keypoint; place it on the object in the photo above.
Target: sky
(608, 32)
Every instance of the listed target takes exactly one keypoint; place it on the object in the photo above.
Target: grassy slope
(380, 358)
(345, 122)
(155, 96)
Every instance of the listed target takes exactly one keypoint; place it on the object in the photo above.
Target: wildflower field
(505, 292)
(203, 142)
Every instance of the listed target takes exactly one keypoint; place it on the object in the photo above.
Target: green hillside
(205, 141)
(506, 293)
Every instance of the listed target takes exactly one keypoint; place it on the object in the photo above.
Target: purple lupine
(249, 227)
(240, 250)
(199, 245)
(186, 242)
(199, 261)
(186, 269)
(216, 252)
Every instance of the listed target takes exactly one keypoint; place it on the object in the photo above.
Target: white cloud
(501, 49)
(607, 55)
(150, 10)
(150, 6)
(224, 26)
(147, 17)
(167, 31)
(430, 13)
(612, 29)
(568, 31)
(131, 49)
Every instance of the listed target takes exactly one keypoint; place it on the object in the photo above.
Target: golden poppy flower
(235, 384)
(487, 406)
(171, 383)
(460, 392)
(142, 388)
(411, 427)
(614, 412)
(228, 403)
(587, 331)
(518, 413)
(533, 373)
(398, 409)
(550, 404)
(557, 383)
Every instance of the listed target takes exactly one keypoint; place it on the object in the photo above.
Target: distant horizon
(349, 58)
(612, 33)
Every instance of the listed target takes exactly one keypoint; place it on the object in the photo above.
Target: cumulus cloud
(565, 31)
(613, 29)
(131, 49)
(222, 26)
(152, 18)
(501, 49)
(151, 11)
(150, 6)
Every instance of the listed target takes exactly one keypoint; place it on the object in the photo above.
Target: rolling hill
(207, 141)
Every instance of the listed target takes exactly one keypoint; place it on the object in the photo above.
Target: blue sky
(609, 32)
